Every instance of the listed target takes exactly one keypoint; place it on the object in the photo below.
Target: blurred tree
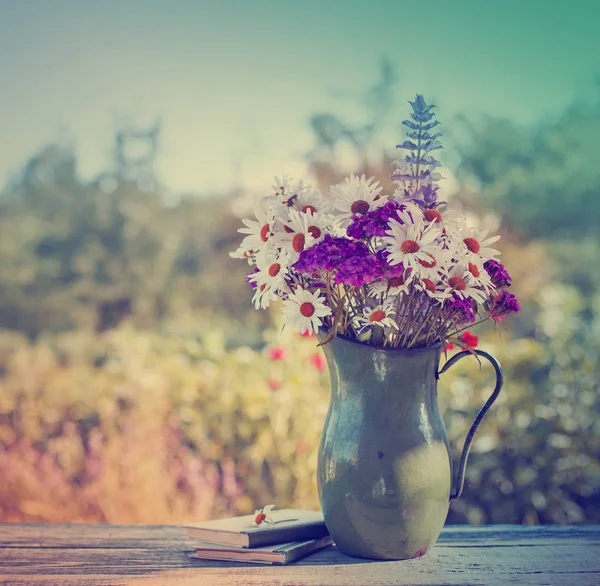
(135, 153)
(543, 179)
(88, 254)
(544, 182)
(332, 131)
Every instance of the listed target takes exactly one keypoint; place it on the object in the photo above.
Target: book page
(246, 524)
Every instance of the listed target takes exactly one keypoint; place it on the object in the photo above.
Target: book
(289, 525)
(284, 553)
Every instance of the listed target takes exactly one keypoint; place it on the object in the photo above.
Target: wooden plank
(78, 555)
(542, 564)
(89, 535)
(161, 536)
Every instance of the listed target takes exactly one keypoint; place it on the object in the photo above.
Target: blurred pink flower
(277, 353)
(318, 362)
(469, 339)
(274, 384)
(301, 447)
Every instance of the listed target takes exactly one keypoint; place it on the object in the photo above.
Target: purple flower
(503, 304)
(349, 260)
(460, 310)
(249, 280)
(429, 192)
(374, 223)
(329, 254)
(498, 274)
(425, 197)
(359, 270)
(389, 271)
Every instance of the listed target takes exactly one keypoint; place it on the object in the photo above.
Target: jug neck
(356, 367)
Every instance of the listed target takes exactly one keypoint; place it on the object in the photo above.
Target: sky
(235, 82)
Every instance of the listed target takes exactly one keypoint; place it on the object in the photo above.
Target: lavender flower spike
(416, 172)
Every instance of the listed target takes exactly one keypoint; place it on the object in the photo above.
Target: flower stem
(405, 321)
(469, 326)
(431, 312)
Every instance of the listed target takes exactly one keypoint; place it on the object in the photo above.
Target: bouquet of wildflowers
(394, 271)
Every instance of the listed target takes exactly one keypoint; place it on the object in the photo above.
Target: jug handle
(460, 480)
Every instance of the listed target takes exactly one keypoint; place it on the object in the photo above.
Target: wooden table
(136, 554)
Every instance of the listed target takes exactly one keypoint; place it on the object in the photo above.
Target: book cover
(284, 553)
(289, 525)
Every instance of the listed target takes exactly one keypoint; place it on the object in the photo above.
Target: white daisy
(242, 253)
(408, 243)
(303, 310)
(451, 224)
(280, 187)
(392, 286)
(436, 264)
(479, 276)
(448, 220)
(380, 315)
(311, 201)
(357, 195)
(434, 288)
(474, 240)
(263, 295)
(273, 267)
(460, 281)
(301, 230)
(259, 230)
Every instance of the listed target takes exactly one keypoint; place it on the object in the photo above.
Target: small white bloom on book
(262, 515)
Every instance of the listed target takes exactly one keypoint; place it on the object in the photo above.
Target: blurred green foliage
(544, 183)
(88, 254)
(542, 179)
(137, 383)
(147, 427)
